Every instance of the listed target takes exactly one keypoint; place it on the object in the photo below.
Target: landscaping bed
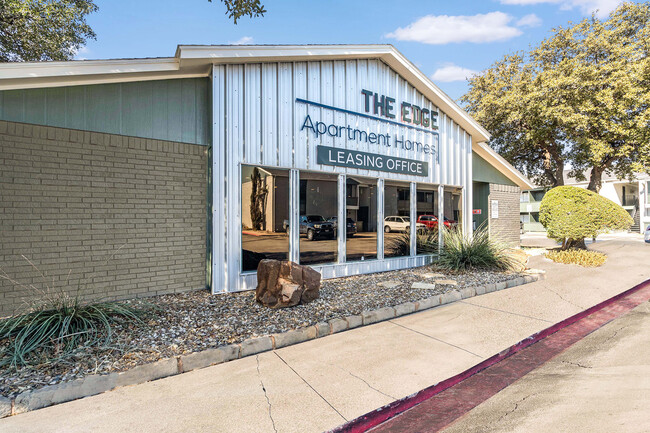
(195, 321)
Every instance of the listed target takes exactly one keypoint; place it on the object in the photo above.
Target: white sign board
(495, 208)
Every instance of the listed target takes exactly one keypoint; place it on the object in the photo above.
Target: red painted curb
(376, 417)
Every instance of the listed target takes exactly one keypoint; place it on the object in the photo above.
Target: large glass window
(361, 214)
(453, 208)
(318, 211)
(427, 221)
(264, 216)
(397, 208)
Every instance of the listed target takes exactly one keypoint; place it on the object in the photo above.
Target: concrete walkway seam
(99, 383)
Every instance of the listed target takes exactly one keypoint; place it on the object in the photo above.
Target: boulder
(285, 284)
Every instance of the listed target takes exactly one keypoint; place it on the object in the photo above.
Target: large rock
(285, 284)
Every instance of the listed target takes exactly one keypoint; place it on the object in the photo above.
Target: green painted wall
(480, 194)
(482, 171)
(173, 110)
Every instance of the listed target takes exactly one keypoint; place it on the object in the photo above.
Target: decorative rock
(519, 259)
(421, 285)
(447, 282)
(430, 275)
(389, 284)
(285, 284)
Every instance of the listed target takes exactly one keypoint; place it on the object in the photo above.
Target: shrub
(571, 214)
(59, 327)
(462, 252)
(577, 257)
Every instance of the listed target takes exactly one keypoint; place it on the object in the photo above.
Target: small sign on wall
(476, 211)
(495, 208)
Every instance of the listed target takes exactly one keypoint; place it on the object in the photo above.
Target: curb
(99, 383)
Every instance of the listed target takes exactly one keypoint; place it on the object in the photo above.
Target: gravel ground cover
(194, 321)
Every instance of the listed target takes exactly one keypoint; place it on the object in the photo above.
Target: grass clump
(589, 259)
(58, 328)
(426, 243)
(462, 253)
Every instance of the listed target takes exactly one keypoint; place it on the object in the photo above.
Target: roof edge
(498, 162)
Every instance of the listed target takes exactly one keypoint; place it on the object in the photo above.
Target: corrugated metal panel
(174, 110)
(263, 123)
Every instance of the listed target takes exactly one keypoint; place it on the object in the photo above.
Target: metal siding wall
(218, 253)
(262, 122)
(172, 110)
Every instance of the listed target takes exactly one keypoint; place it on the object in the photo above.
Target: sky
(446, 40)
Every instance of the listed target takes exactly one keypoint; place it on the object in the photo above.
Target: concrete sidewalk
(320, 384)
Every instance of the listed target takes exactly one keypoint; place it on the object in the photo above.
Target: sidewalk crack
(505, 311)
(312, 388)
(437, 339)
(369, 386)
(564, 299)
(576, 364)
(268, 402)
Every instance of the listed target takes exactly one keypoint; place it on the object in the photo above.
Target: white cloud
(604, 7)
(445, 29)
(81, 53)
(451, 72)
(530, 20)
(243, 41)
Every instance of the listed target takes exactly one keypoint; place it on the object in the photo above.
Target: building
(631, 195)
(147, 176)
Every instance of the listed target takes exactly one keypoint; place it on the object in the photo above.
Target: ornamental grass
(586, 258)
(479, 251)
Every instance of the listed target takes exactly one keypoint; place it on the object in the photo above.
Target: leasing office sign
(370, 161)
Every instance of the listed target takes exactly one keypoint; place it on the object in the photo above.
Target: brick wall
(505, 228)
(107, 216)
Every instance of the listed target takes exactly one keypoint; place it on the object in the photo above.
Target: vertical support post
(341, 223)
(380, 219)
(413, 217)
(294, 217)
(641, 210)
(468, 192)
(441, 215)
(218, 183)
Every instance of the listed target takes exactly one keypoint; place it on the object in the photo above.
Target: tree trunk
(577, 244)
(595, 179)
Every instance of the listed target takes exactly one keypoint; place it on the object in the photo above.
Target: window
(397, 205)
(318, 210)
(524, 197)
(264, 216)
(361, 225)
(453, 218)
(427, 222)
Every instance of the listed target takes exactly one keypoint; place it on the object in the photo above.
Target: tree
(239, 8)
(571, 214)
(581, 97)
(259, 192)
(34, 30)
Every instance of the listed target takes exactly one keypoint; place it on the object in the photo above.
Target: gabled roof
(196, 60)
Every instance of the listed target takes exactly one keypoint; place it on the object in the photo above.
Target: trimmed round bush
(571, 214)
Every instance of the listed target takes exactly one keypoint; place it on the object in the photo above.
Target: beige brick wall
(105, 216)
(505, 228)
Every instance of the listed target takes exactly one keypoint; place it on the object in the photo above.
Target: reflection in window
(453, 208)
(318, 206)
(397, 208)
(427, 222)
(265, 215)
(361, 213)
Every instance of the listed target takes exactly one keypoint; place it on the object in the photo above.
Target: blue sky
(445, 39)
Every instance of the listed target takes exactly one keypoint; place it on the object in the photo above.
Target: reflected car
(351, 228)
(431, 221)
(315, 226)
(400, 224)
(647, 234)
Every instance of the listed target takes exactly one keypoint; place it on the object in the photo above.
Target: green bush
(577, 257)
(571, 214)
(462, 252)
(58, 327)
